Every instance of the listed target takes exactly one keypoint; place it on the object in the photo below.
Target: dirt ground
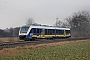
(8, 39)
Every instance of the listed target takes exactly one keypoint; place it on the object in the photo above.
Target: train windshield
(24, 29)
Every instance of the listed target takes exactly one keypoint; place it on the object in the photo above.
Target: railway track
(23, 43)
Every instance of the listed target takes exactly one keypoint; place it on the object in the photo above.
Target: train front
(24, 33)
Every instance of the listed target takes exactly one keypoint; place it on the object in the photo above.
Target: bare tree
(61, 24)
(79, 22)
(58, 23)
(30, 21)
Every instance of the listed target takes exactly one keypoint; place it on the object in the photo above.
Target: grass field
(73, 50)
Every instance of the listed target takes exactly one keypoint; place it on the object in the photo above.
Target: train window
(37, 30)
(34, 30)
(24, 29)
(40, 30)
(57, 31)
(46, 31)
(53, 31)
(61, 31)
(50, 31)
(67, 31)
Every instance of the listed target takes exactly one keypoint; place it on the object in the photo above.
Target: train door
(64, 33)
(43, 33)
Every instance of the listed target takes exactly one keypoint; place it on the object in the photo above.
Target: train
(38, 31)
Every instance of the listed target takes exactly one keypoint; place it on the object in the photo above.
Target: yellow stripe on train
(49, 36)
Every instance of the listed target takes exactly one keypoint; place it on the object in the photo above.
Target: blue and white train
(35, 31)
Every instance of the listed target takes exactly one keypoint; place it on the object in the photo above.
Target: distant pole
(56, 21)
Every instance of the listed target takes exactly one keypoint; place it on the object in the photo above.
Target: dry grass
(14, 51)
(8, 39)
(9, 52)
(47, 45)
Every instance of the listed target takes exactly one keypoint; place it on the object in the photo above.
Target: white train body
(39, 31)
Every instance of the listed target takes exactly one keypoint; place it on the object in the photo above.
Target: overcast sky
(14, 13)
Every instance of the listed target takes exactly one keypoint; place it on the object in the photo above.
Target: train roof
(45, 26)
